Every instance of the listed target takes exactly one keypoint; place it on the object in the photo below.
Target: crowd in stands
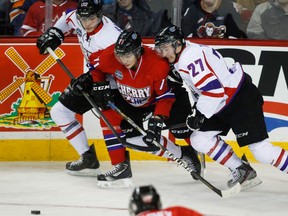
(252, 19)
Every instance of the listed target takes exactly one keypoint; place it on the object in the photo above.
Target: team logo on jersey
(209, 30)
(118, 74)
(134, 96)
(79, 32)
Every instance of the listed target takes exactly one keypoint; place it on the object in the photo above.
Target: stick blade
(231, 191)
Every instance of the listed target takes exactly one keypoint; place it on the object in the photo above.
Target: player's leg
(181, 108)
(267, 153)
(121, 174)
(251, 130)
(65, 118)
(210, 143)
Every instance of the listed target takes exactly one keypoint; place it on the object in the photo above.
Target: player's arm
(54, 36)
(164, 100)
(101, 90)
(164, 95)
(62, 22)
(198, 71)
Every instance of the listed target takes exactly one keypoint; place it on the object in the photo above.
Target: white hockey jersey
(205, 73)
(103, 36)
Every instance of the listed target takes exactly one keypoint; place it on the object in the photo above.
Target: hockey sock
(115, 149)
(71, 128)
(224, 154)
(267, 153)
(211, 144)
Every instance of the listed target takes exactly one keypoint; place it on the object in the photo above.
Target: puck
(35, 212)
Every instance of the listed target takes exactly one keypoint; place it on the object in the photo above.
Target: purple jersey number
(193, 67)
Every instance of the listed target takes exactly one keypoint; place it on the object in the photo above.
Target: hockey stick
(223, 193)
(201, 155)
(94, 105)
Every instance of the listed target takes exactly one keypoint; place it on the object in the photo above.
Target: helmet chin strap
(177, 55)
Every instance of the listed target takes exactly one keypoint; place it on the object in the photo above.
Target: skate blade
(85, 172)
(121, 183)
(250, 183)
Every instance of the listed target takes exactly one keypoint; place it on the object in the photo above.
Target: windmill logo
(33, 87)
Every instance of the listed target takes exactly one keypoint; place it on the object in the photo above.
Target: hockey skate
(190, 157)
(245, 175)
(119, 177)
(87, 165)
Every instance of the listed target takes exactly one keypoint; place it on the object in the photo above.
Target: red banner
(31, 83)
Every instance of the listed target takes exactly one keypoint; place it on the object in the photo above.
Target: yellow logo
(33, 87)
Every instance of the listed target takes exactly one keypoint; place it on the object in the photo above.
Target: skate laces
(236, 175)
(189, 162)
(116, 169)
(78, 162)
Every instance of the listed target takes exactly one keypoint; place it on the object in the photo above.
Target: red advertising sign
(31, 84)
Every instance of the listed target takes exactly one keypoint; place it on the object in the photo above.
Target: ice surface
(26, 186)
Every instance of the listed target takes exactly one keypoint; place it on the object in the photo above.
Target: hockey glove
(102, 94)
(195, 120)
(52, 38)
(174, 79)
(83, 83)
(155, 125)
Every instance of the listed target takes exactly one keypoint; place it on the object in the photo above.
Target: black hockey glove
(174, 79)
(102, 94)
(52, 38)
(155, 125)
(195, 120)
(83, 83)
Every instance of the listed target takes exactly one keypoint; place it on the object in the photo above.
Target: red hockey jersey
(171, 211)
(143, 87)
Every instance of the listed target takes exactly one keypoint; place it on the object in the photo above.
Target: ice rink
(44, 186)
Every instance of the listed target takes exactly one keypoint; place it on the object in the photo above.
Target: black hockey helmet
(144, 198)
(129, 42)
(88, 8)
(170, 34)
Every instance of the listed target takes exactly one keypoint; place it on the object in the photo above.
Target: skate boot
(119, 177)
(87, 165)
(245, 175)
(190, 157)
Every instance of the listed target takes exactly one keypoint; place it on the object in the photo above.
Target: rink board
(61, 150)
(40, 139)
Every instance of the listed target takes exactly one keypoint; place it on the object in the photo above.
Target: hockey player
(94, 32)
(145, 201)
(225, 98)
(140, 75)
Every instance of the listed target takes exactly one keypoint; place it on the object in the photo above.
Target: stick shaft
(171, 155)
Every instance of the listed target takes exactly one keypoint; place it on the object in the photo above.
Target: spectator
(185, 5)
(269, 21)
(137, 15)
(18, 12)
(212, 19)
(246, 8)
(5, 28)
(145, 201)
(34, 22)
